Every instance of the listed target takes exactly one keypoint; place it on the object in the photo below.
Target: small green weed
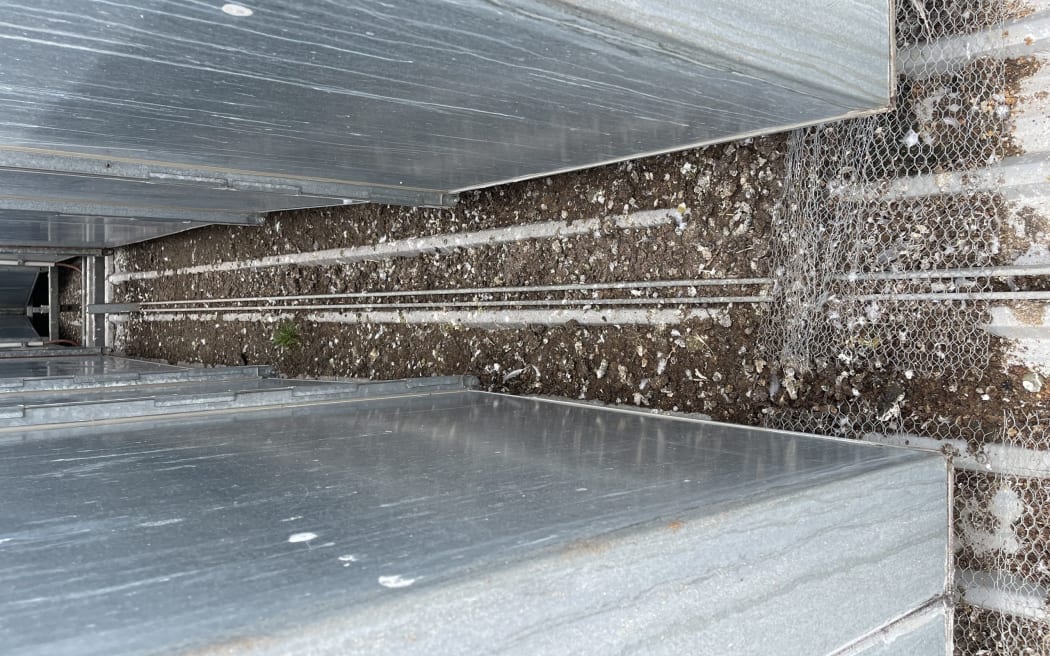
(287, 336)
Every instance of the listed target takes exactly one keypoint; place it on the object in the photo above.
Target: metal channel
(141, 110)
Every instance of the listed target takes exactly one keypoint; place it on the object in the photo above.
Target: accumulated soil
(694, 367)
(718, 366)
(979, 631)
(740, 180)
(723, 198)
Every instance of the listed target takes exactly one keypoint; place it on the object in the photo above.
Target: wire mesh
(858, 199)
(904, 191)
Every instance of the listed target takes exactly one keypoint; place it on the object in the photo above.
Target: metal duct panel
(16, 329)
(16, 286)
(460, 522)
(403, 101)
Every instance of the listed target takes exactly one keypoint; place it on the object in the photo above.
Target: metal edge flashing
(94, 413)
(23, 158)
(50, 352)
(751, 134)
(892, 70)
(931, 611)
(122, 379)
(678, 417)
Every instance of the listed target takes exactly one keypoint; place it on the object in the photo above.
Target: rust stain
(585, 548)
(675, 525)
(1028, 40)
(229, 647)
(1030, 313)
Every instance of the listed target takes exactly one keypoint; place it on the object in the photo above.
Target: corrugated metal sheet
(401, 101)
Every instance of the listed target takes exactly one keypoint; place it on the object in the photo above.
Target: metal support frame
(94, 289)
(54, 305)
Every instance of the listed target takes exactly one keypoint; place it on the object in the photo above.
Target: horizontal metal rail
(280, 304)
(972, 272)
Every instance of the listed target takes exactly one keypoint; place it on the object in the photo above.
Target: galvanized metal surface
(119, 378)
(48, 408)
(74, 400)
(36, 191)
(49, 352)
(926, 631)
(18, 368)
(16, 286)
(458, 522)
(16, 330)
(81, 233)
(54, 304)
(93, 291)
(299, 104)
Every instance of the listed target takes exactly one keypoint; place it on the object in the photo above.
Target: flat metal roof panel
(458, 522)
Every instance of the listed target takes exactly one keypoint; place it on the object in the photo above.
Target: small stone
(1032, 382)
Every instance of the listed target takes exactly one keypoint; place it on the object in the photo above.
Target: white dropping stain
(162, 522)
(991, 529)
(581, 489)
(348, 558)
(302, 537)
(292, 519)
(233, 9)
(395, 581)
(3, 540)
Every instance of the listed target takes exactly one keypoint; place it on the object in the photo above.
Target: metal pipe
(971, 272)
(712, 300)
(653, 284)
(957, 296)
(612, 302)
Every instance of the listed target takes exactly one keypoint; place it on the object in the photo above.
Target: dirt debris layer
(723, 197)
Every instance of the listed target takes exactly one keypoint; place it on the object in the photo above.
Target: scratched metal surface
(199, 388)
(91, 365)
(21, 228)
(396, 96)
(37, 191)
(458, 523)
